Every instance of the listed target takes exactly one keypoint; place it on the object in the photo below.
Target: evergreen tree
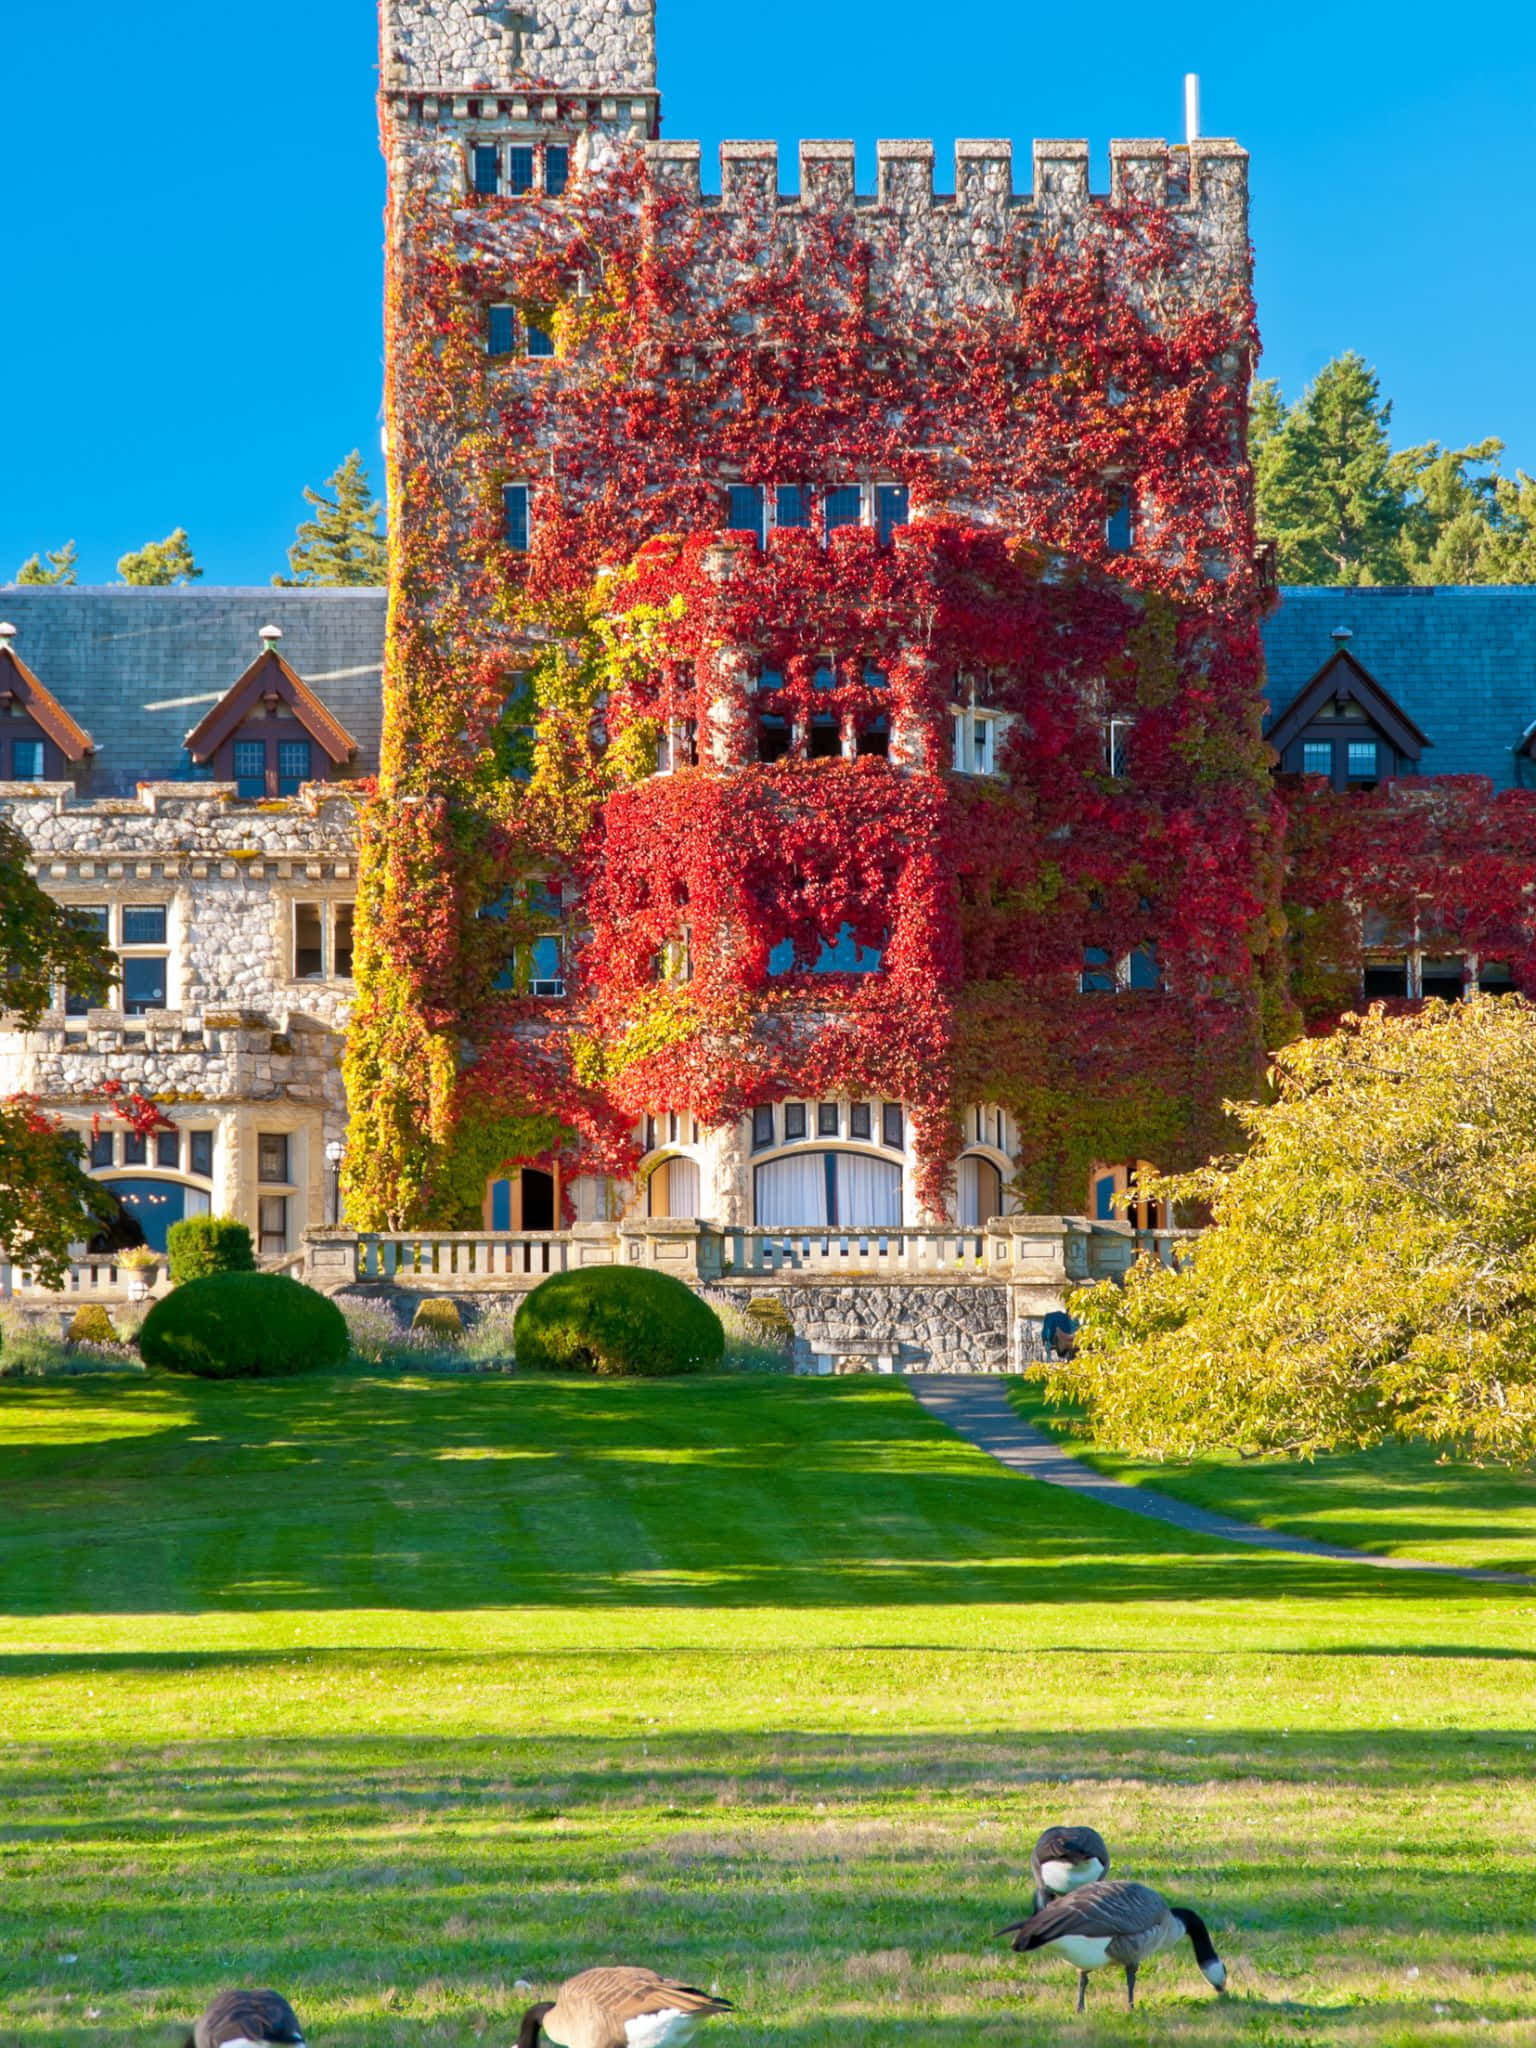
(57, 566)
(1324, 478)
(160, 562)
(342, 544)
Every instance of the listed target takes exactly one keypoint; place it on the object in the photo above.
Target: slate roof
(1460, 661)
(140, 668)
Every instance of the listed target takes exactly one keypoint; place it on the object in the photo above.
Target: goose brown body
(1065, 1858)
(619, 2007)
(251, 2017)
(1116, 1922)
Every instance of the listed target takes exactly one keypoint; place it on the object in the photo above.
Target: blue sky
(191, 262)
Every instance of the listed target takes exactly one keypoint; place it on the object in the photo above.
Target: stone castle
(807, 784)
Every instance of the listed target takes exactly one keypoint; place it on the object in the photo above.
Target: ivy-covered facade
(823, 778)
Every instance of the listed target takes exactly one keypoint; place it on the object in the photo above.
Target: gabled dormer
(1343, 725)
(39, 741)
(270, 734)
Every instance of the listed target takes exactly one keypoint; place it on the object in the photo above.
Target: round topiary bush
(208, 1244)
(616, 1320)
(243, 1326)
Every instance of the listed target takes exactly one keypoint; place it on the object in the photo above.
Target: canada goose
(1117, 1922)
(247, 2019)
(619, 2007)
(1065, 1858)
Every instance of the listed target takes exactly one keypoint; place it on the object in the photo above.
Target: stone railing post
(670, 1244)
(330, 1259)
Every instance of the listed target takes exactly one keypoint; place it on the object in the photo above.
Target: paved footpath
(976, 1406)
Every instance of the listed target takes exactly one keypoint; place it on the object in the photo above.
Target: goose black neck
(530, 2034)
(1199, 1934)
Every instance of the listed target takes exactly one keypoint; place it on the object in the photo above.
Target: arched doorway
(978, 1191)
(673, 1189)
(155, 1205)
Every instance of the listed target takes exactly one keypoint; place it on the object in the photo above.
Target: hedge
(614, 1321)
(243, 1326)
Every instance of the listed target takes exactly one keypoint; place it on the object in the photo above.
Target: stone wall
(888, 1326)
(454, 45)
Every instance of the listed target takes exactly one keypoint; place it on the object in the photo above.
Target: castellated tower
(822, 784)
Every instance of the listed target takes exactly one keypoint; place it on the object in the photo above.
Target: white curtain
(792, 1193)
(595, 1197)
(675, 1188)
(868, 1193)
(199, 1202)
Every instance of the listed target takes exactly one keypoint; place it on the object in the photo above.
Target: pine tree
(342, 544)
(1324, 480)
(160, 562)
(56, 566)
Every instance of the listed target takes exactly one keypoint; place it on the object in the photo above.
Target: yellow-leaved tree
(1370, 1269)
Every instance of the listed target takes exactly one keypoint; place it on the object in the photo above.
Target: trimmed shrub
(90, 1324)
(198, 1245)
(439, 1318)
(773, 1320)
(243, 1326)
(616, 1320)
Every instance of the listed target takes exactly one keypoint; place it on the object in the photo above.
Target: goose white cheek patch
(1216, 1972)
(1058, 1875)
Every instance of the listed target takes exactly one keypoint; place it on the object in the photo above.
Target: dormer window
(269, 734)
(39, 741)
(1345, 728)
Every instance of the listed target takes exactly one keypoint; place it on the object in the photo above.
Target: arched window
(673, 1188)
(815, 1189)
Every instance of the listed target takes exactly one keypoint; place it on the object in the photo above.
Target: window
(794, 1121)
(1317, 757)
(826, 1119)
(200, 1153)
(792, 505)
(168, 1149)
(844, 507)
(858, 1120)
(1118, 524)
(770, 679)
(272, 1223)
(874, 738)
(1385, 980)
(101, 1149)
(519, 169)
(1117, 747)
(748, 510)
(1098, 975)
(973, 741)
(762, 1126)
(874, 678)
(1494, 978)
(250, 768)
(1362, 764)
(308, 942)
(826, 739)
(143, 924)
(557, 168)
(541, 340)
(90, 917)
(675, 960)
(1445, 978)
(26, 760)
(514, 506)
(293, 766)
(546, 972)
(135, 1149)
(272, 1161)
(501, 331)
(824, 676)
(143, 984)
(890, 510)
(810, 1190)
(1144, 970)
(772, 737)
(485, 169)
(892, 1127)
(341, 942)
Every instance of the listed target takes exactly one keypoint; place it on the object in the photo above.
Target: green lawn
(1401, 1500)
(393, 1691)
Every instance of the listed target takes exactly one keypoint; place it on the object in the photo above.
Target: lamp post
(335, 1152)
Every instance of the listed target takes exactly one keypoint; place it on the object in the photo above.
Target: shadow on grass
(184, 1496)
